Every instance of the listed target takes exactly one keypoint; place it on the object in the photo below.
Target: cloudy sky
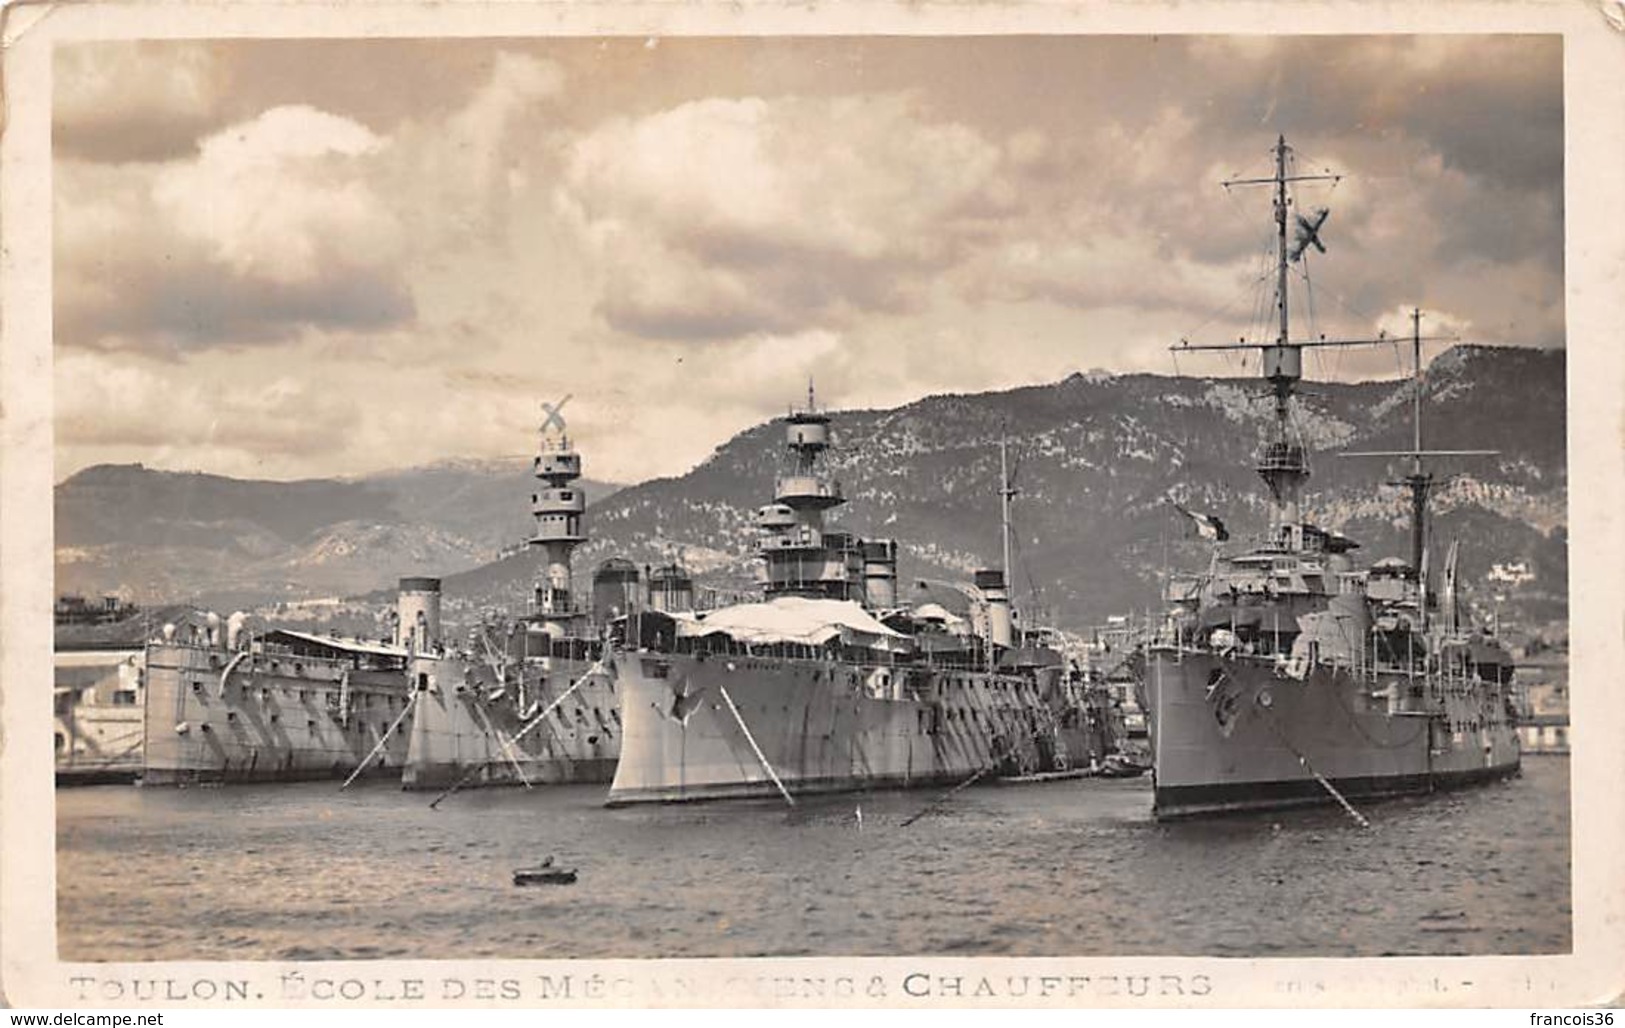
(293, 259)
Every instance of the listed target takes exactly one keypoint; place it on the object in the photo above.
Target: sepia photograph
(749, 501)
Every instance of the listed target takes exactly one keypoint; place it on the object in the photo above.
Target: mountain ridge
(1099, 460)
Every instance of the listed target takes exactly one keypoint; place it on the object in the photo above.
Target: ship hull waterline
(468, 734)
(1280, 741)
(217, 717)
(726, 727)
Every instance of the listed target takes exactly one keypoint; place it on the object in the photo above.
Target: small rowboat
(544, 875)
(1119, 765)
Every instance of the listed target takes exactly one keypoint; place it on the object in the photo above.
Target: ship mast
(1283, 467)
(1280, 228)
(1420, 480)
(1007, 492)
(1283, 462)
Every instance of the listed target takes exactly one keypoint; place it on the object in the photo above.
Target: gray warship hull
(724, 727)
(218, 716)
(470, 730)
(1238, 733)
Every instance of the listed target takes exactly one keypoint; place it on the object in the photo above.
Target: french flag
(1207, 526)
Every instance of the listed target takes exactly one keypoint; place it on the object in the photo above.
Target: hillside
(152, 535)
(1097, 459)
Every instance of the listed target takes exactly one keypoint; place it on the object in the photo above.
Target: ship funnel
(997, 597)
(215, 637)
(418, 606)
(234, 629)
(615, 588)
(880, 573)
(671, 588)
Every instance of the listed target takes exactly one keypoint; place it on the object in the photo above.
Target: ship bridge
(802, 556)
(557, 507)
(808, 492)
(559, 503)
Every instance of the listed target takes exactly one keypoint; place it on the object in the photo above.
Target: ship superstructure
(801, 555)
(828, 683)
(529, 699)
(99, 698)
(557, 508)
(1285, 674)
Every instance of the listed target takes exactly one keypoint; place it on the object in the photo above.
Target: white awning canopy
(794, 619)
(353, 646)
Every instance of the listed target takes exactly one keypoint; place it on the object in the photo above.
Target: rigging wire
(1033, 589)
(1295, 426)
(1252, 288)
(1255, 290)
(1017, 557)
(1297, 155)
(1264, 291)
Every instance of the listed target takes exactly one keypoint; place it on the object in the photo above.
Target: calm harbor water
(1060, 869)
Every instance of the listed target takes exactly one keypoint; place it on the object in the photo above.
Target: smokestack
(991, 586)
(880, 573)
(418, 606)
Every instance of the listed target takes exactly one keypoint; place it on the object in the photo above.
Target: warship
(531, 698)
(1285, 675)
(99, 682)
(224, 704)
(828, 683)
(98, 719)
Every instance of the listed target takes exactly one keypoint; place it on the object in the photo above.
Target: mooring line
(537, 720)
(1324, 782)
(967, 783)
(502, 743)
(753, 747)
(381, 740)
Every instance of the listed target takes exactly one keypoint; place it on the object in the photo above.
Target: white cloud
(144, 405)
(681, 244)
(132, 101)
(475, 156)
(92, 81)
(284, 196)
(722, 216)
(1109, 270)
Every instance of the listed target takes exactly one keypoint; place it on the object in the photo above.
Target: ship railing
(800, 486)
(719, 644)
(1279, 660)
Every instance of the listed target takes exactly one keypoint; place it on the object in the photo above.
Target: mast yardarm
(1283, 463)
(1420, 480)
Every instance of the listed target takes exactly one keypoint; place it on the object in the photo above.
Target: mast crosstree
(1283, 463)
(1420, 480)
